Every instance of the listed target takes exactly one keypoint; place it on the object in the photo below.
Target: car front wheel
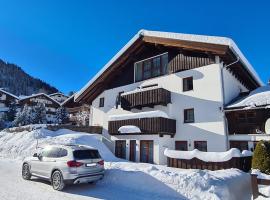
(26, 171)
(57, 181)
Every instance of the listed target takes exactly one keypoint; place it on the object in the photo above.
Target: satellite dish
(267, 126)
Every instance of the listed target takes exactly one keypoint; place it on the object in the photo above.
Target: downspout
(222, 67)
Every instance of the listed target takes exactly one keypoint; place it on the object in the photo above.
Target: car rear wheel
(26, 172)
(57, 181)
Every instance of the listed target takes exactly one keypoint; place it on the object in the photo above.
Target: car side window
(62, 152)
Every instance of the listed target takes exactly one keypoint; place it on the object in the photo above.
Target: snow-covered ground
(123, 180)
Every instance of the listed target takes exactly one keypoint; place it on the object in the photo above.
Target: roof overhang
(222, 46)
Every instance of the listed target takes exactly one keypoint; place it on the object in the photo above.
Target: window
(181, 145)
(187, 84)
(246, 117)
(86, 154)
(200, 145)
(101, 102)
(152, 67)
(118, 99)
(189, 115)
(241, 145)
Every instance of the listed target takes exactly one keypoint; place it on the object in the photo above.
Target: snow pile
(140, 90)
(258, 97)
(130, 180)
(247, 153)
(129, 129)
(26, 143)
(204, 156)
(149, 114)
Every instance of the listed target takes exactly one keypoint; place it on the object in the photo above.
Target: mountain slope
(16, 81)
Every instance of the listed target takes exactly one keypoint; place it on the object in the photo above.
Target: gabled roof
(58, 93)
(199, 42)
(12, 95)
(257, 98)
(21, 98)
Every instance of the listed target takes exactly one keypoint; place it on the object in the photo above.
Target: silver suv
(65, 164)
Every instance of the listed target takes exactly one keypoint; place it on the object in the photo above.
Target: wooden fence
(86, 129)
(242, 163)
(255, 182)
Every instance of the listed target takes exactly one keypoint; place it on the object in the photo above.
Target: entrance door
(120, 149)
(146, 151)
(132, 150)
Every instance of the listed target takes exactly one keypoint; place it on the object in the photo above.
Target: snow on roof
(149, 114)
(178, 36)
(257, 98)
(35, 95)
(69, 98)
(4, 91)
(129, 129)
(205, 156)
(58, 93)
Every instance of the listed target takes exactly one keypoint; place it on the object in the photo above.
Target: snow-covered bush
(23, 117)
(31, 115)
(38, 114)
(82, 117)
(62, 115)
(261, 157)
(11, 113)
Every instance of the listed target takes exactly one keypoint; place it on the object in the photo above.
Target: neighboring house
(78, 112)
(6, 99)
(59, 97)
(51, 105)
(248, 118)
(167, 90)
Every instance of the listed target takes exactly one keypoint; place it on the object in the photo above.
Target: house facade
(59, 97)
(6, 99)
(248, 118)
(50, 104)
(167, 90)
(78, 112)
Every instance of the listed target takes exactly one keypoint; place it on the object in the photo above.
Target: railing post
(254, 184)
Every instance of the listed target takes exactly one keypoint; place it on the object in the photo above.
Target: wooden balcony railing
(146, 98)
(156, 125)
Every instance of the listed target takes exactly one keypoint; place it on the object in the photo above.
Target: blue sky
(66, 42)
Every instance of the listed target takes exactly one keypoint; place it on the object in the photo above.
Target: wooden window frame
(101, 102)
(185, 115)
(200, 141)
(181, 142)
(186, 84)
(151, 60)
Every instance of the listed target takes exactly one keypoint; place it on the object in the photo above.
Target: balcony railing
(155, 125)
(145, 98)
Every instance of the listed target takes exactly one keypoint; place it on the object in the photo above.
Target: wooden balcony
(148, 126)
(146, 98)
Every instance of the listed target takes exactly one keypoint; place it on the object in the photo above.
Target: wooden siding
(248, 126)
(148, 98)
(185, 62)
(242, 163)
(155, 125)
(86, 129)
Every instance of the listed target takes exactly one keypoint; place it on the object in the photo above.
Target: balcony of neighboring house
(145, 97)
(144, 123)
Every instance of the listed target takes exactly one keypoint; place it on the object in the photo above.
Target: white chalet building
(167, 90)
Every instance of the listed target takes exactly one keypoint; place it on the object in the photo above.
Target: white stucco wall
(206, 99)
(232, 86)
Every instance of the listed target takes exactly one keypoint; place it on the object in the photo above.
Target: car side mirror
(35, 155)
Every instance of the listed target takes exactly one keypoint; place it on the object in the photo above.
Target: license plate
(91, 164)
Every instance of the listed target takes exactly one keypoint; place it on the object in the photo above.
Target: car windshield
(86, 154)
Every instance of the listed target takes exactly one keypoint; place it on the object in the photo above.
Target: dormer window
(151, 67)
